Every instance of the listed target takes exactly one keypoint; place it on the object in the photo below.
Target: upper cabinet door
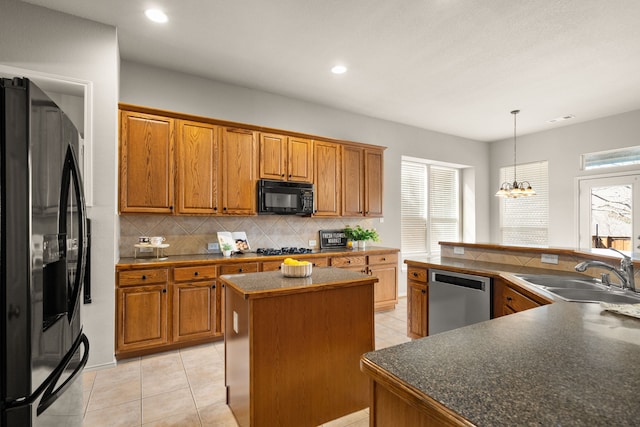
(373, 166)
(328, 183)
(146, 163)
(197, 168)
(240, 177)
(273, 156)
(300, 160)
(353, 178)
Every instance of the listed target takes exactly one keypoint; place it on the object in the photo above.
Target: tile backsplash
(189, 235)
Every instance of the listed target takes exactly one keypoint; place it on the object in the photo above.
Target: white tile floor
(186, 387)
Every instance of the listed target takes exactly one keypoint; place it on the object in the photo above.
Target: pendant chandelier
(515, 189)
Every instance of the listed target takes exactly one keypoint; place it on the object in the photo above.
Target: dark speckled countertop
(562, 364)
(268, 283)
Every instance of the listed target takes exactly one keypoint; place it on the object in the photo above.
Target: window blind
(430, 210)
(414, 207)
(444, 207)
(620, 157)
(525, 220)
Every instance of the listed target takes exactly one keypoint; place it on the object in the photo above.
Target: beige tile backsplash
(189, 235)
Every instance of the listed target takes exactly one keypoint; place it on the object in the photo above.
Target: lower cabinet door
(194, 311)
(386, 289)
(142, 317)
(417, 315)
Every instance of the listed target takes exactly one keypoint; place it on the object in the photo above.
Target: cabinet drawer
(201, 272)
(319, 262)
(248, 267)
(383, 259)
(271, 265)
(348, 261)
(516, 301)
(142, 277)
(417, 274)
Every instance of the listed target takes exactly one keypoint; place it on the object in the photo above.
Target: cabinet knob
(509, 299)
(423, 291)
(239, 270)
(164, 291)
(282, 175)
(215, 209)
(366, 213)
(170, 207)
(384, 259)
(348, 261)
(224, 209)
(213, 286)
(195, 273)
(279, 267)
(144, 277)
(415, 274)
(289, 175)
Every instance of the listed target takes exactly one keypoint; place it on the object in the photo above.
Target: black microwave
(285, 198)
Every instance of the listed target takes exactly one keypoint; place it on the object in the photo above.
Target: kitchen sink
(580, 289)
(564, 282)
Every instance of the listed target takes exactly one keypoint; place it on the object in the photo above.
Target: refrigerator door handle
(51, 395)
(48, 384)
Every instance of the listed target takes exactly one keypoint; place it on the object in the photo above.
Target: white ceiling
(453, 66)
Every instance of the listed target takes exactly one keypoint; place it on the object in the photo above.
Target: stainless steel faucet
(624, 273)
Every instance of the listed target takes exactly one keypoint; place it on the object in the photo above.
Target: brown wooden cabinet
(417, 302)
(146, 163)
(285, 158)
(239, 171)
(141, 309)
(509, 299)
(327, 178)
(197, 168)
(362, 171)
(385, 268)
(196, 303)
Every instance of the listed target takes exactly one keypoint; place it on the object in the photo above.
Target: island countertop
(560, 364)
(270, 283)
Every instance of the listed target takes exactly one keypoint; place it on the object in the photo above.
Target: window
(430, 208)
(620, 157)
(525, 220)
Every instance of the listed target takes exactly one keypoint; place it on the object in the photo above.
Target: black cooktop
(283, 251)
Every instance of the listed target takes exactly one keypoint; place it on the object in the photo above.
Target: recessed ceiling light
(156, 15)
(339, 69)
(561, 119)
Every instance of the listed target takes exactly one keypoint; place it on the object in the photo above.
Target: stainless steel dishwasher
(457, 299)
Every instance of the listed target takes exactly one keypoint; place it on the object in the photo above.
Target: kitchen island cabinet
(292, 346)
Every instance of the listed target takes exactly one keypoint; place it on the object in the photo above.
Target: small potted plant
(361, 235)
(226, 249)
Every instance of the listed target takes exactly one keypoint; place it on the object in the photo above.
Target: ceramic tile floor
(186, 387)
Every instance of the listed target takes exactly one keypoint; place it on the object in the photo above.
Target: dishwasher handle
(463, 280)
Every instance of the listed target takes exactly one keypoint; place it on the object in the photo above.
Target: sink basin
(564, 282)
(579, 288)
(589, 295)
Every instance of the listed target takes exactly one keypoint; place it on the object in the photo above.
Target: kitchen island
(293, 345)
(563, 363)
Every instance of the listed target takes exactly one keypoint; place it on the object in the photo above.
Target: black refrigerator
(43, 230)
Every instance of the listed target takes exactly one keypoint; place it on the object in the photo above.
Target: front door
(609, 212)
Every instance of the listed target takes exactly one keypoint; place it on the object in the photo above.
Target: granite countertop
(560, 364)
(245, 257)
(269, 283)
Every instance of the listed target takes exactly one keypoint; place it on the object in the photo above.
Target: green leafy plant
(226, 247)
(359, 233)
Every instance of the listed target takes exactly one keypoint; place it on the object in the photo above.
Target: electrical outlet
(212, 246)
(549, 259)
(235, 322)
(458, 250)
(381, 220)
(312, 243)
